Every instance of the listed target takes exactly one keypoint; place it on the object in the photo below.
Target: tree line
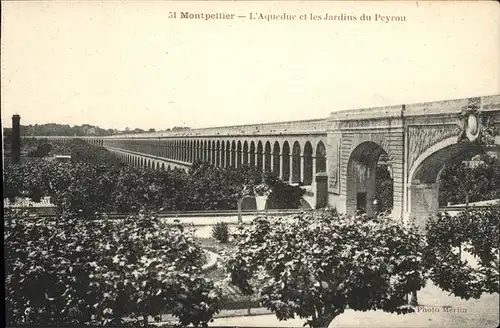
(54, 129)
(95, 181)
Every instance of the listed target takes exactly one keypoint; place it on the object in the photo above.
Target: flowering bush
(103, 273)
(472, 231)
(317, 264)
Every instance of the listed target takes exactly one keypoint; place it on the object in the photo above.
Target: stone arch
(149, 164)
(142, 162)
(320, 157)
(205, 151)
(194, 151)
(214, 153)
(233, 154)
(181, 150)
(252, 154)
(285, 173)
(163, 166)
(424, 174)
(217, 154)
(222, 153)
(361, 179)
(267, 157)
(228, 154)
(157, 165)
(201, 151)
(296, 176)
(174, 149)
(209, 152)
(238, 154)
(245, 152)
(197, 150)
(260, 155)
(308, 164)
(276, 158)
(187, 151)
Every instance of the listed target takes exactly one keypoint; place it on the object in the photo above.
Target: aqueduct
(335, 158)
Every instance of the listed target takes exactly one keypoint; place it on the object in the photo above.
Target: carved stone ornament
(476, 126)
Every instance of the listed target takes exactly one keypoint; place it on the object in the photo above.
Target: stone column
(238, 157)
(263, 160)
(423, 201)
(302, 163)
(16, 139)
(282, 172)
(370, 184)
(313, 169)
(272, 162)
(321, 191)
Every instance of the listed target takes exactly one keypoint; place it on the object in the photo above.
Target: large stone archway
(424, 175)
(361, 178)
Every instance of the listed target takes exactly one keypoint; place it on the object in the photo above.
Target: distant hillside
(53, 129)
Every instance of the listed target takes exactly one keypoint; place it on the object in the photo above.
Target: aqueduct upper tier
(335, 158)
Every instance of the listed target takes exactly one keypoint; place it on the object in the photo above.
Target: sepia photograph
(251, 163)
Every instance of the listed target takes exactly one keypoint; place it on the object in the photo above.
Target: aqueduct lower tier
(335, 158)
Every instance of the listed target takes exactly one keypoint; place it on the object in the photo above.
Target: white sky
(125, 64)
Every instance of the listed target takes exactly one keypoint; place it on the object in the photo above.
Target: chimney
(16, 139)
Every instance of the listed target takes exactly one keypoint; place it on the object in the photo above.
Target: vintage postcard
(251, 163)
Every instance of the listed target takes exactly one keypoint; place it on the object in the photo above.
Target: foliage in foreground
(317, 264)
(472, 231)
(103, 273)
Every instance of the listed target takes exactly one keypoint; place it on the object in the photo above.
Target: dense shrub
(481, 182)
(282, 195)
(41, 151)
(220, 232)
(99, 273)
(317, 264)
(472, 231)
(94, 183)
